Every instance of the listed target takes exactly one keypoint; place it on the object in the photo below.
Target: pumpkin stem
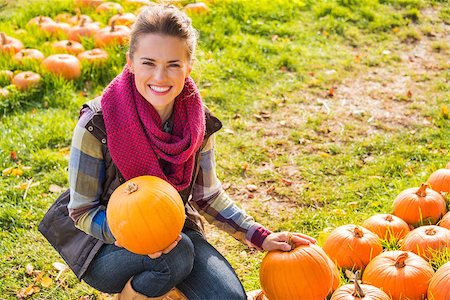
(400, 261)
(430, 231)
(113, 23)
(3, 36)
(357, 232)
(389, 218)
(358, 292)
(131, 188)
(83, 21)
(289, 241)
(422, 191)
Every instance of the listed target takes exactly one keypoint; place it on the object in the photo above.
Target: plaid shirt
(87, 172)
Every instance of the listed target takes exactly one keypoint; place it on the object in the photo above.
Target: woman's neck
(165, 112)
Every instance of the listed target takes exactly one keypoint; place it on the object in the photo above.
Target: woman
(150, 120)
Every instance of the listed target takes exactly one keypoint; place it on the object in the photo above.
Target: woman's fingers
(167, 250)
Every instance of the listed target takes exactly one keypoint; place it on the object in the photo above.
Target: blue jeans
(194, 266)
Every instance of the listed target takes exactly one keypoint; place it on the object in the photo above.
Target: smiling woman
(151, 120)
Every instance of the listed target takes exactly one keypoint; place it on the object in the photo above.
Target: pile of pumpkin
(419, 225)
(70, 31)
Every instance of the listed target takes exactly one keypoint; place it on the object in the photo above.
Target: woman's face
(160, 65)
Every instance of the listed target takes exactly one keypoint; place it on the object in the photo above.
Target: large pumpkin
(387, 226)
(426, 240)
(419, 206)
(305, 272)
(401, 274)
(445, 221)
(352, 247)
(439, 288)
(440, 180)
(145, 214)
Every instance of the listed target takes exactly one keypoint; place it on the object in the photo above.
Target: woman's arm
(216, 206)
(86, 174)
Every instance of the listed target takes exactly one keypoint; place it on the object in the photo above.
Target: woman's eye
(148, 63)
(174, 65)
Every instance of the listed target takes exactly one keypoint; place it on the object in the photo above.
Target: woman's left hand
(283, 240)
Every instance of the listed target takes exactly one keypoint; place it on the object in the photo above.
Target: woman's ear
(129, 62)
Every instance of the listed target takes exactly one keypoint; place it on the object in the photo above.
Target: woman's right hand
(159, 253)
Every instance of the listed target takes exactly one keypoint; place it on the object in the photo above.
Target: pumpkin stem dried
(389, 218)
(430, 231)
(358, 232)
(358, 292)
(290, 242)
(113, 23)
(131, 188)
(400, 262)
(3, 36)
(422, 191)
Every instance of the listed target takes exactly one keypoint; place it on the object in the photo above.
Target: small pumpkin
(400, 274)
(352, 247)
(84, 29)
(39, 21)
(26, 80)
(4, 93)
(439, 180)
(94, 56)
(426, 240)
(109, 8)
(126, 19)
(55, 28)
(74, 20)
(358, 291)
(88, 3)
(439, 287)
(196, 8)
(419, 206)
(135, 4)
(9, 44)
(302, 273)
(445, 221)
(6, 75)
(158, 227)
(28, 55)
(387, 226)
(112, 35)
(67, 46)
(65, 65)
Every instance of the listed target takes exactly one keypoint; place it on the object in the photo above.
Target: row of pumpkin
(70, 52)
(419, 225)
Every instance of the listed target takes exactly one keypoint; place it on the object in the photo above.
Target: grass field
(330, 109)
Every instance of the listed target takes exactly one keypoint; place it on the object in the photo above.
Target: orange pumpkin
(39, 21)
(387, 226)
(302, 273)
(445, 221)
(26, 80)
(358, 291)
(67, 46)
(135, 4)
(352, 247)
(126, 19)
(88, 3)
(109, 8)
(426, 240)
(401, 274)
(84, 29)
(9, 44)
(95, 56)
(420, 206)
(440, 180)
(55, 28)
(196, 8)
(439, 288)
(74, 20)
(28, 55)
(145, 214)
(6, 75)
(111, 35)
(65, 65)
(4, 93)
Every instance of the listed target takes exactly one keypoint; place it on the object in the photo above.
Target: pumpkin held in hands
(145, 214)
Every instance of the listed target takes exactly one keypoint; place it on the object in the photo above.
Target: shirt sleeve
(216, 206)
(86, 174)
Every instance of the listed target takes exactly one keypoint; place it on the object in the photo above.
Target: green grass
(253, 56)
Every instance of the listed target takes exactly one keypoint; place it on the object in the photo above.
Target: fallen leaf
(338, 211)
(28, 291)
(270, 189)
(324, 154)
(59, 266)
(13, 156)
(409, 94)
(331, 92)
(229, 131)
(29, 269)
(55, 188)
(251, 187)
(286, 181)
(46, 282)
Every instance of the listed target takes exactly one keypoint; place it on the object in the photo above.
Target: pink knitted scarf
(136, 141)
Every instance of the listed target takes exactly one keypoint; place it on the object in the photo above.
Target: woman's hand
(159, 253)
(284, 240)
